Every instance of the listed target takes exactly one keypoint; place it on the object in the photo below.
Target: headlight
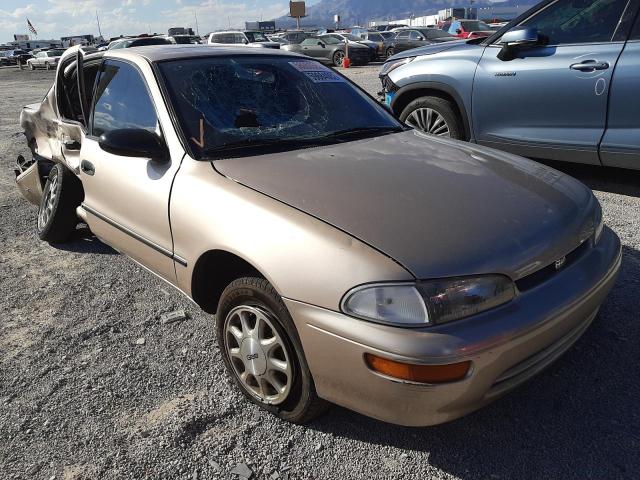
(599, 223)
(457, 298)
(430, 302)
(399, 304)
(393, 64)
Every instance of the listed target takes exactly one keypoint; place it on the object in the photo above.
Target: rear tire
(62, 194)
(390, 52)
(254, 301)
(433, 115)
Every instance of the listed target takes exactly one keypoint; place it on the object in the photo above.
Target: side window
(635, 32)
(239, 38)
(122, 100)
(415, 36)
(403, 36)
(454, 26)
(578, 21)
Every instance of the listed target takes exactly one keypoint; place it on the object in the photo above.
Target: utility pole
(98, 21)
(195, 14)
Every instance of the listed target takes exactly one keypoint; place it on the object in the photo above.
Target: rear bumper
(507, 345)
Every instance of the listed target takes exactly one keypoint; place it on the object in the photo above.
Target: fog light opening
(450, 372)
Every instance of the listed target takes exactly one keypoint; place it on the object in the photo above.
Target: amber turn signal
(418, 373)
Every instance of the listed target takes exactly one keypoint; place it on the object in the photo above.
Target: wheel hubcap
(339, 57)
(258, 354)
(46, 208)
(428, 121)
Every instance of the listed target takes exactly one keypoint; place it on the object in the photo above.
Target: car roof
(160, 53)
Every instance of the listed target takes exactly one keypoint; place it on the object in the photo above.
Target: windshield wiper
(361, 132)
(245, 146)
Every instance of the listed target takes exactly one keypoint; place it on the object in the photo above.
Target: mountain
(359, 12)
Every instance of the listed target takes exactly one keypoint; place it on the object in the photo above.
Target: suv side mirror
(458, 31)
(134, 142)
(523, 36)
(321, 44)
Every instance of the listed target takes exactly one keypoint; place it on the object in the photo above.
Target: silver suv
(559, 82)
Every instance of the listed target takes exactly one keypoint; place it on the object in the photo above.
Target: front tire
(433, 115)
(47, 66)
(31, 67)
(62, 194)
(262, 351)
(338, 57)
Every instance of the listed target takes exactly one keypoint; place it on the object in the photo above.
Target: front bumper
(507, 345)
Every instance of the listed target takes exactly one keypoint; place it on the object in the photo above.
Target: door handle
(87, 167)
(589, 66)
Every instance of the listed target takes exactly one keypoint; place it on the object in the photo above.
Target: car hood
(434, 48)
(439, 207)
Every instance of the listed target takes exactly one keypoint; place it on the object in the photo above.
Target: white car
(47, 59)
(250, 38)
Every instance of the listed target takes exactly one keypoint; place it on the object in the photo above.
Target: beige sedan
(348, 259)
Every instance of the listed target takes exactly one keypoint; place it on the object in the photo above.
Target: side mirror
(458, 31)
(518, 37)
(134, 142)
(321, 44)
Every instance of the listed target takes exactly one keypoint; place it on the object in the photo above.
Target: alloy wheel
(259, 356)
(429, 121)
(338, 57)
(46, 208)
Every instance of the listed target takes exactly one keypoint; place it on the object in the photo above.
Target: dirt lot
(93, 385)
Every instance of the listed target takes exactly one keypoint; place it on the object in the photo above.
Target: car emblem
(560, 262)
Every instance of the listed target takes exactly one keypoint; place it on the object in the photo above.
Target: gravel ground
(94, 385)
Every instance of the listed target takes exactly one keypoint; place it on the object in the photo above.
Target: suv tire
(61, 196)
(428, 114)
(250, 312)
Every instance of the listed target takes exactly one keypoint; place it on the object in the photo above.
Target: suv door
(127, 198)
(550, 101)
(620, 145)
(401, 41)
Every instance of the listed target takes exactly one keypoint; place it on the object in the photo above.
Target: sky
(58, 18)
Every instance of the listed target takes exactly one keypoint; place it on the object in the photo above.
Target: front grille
(388, 85)
(544, 274)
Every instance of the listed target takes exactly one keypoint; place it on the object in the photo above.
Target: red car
(469, 29)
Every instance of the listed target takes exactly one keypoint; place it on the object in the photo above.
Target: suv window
(453, 27)
(415, 36)
(578, 21)
(375, 37)
(402, 36)
(122, 100)
(635, 33)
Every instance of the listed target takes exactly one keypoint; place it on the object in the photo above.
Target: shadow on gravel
(607, 179)
(578, 419)
(83, 241)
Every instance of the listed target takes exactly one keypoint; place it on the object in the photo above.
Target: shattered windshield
(227, 106)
